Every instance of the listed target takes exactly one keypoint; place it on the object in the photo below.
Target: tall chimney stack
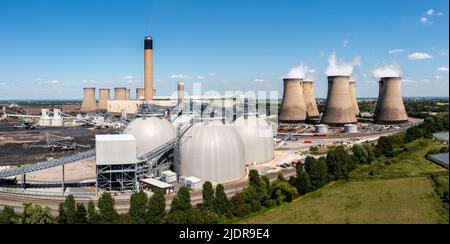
(310, 100)
(293, 108)
(148, 69)
(89, 102)
(339, 109)
(353, 97)
(180, 93)
(390, 107)
(120, 94)
(140, 94)
(103, 99)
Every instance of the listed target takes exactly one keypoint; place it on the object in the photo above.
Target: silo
(339, 109)
(57, 119)
(120, 93)
(293, 108)
(150, 133)
(310, 100)
(257, 136)
(353, 97)
(104, 98)
(89, 102)
(140, 94)
(213, 152)
(390, 108)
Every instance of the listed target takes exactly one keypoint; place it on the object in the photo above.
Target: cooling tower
(293, 108)
(180, 93)
(390, 108)
(339, 108)
(103, 100)
(312, 111)
(148, 69)
(353, 97)
(128, 94)
(120, 94)
(140, 94)
(89, 102)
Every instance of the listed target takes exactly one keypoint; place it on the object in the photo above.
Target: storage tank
(257, 136)
(57, 120)
(321, 129)
(350, 128)
(339, 109)
(150, 133)
(213, 152)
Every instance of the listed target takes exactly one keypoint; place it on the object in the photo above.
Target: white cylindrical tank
(184, 119)
(257, 136)
(57, 120)
(350, 128)
(45, 120)
(321, 129)
(213, 152)
(150, 133)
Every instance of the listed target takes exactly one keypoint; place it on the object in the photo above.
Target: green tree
(385, 146)
(283, 192)
(138, 207)
(370, 152)
(126, 219)
(107, 212)
(239, 206)
(156, 208)
(67, 211)
(339, 163)
(222, 204)
(81, 214)
(35, 214)
(260, 187)
(92, 214)
(208, 196)
(8, 216)
(302, 181)
(176, 217)
(182, 201)
(317, 171)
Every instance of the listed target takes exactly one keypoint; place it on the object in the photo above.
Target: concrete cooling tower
(339, 109)
(353, 97)
(293, 108)
(89, 102)
(128, 94)
(103, 100)
(312, 111)
(148, 69)
(213, 152)
(140, 94)
(390, 108)
(120, 94)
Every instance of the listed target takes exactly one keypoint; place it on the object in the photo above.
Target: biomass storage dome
(257, 136)
(150, 133)
(213, 152)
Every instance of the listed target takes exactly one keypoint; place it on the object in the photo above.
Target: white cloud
(396, 51)
(50, 82)
(336, 67)
(259, 80)
(345, 43)
(129, 79)
(388, 70)
(212, 74)
(89, 81)
(2, 83)
(419, 56)
(424, 20)
(430, 12)
(440, 14)
(181, 77)
(425, 81)
(201, 77)
(439, 77)
(443, 69)
(408, 81)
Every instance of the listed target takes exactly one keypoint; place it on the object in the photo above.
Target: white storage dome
(257, 136)
(213, 152)
(150, 133)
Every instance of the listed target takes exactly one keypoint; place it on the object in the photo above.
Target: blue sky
(53, 48)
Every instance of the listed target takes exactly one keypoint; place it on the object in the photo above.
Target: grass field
(399, 192)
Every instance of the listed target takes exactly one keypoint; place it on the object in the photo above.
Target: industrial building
(390, 108)
(339, 109)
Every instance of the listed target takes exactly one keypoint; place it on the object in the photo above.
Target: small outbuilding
(153, 184)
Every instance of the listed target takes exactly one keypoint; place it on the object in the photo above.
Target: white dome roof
(257, 137)
(150, 133)
(182, 120)
(213, 153)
